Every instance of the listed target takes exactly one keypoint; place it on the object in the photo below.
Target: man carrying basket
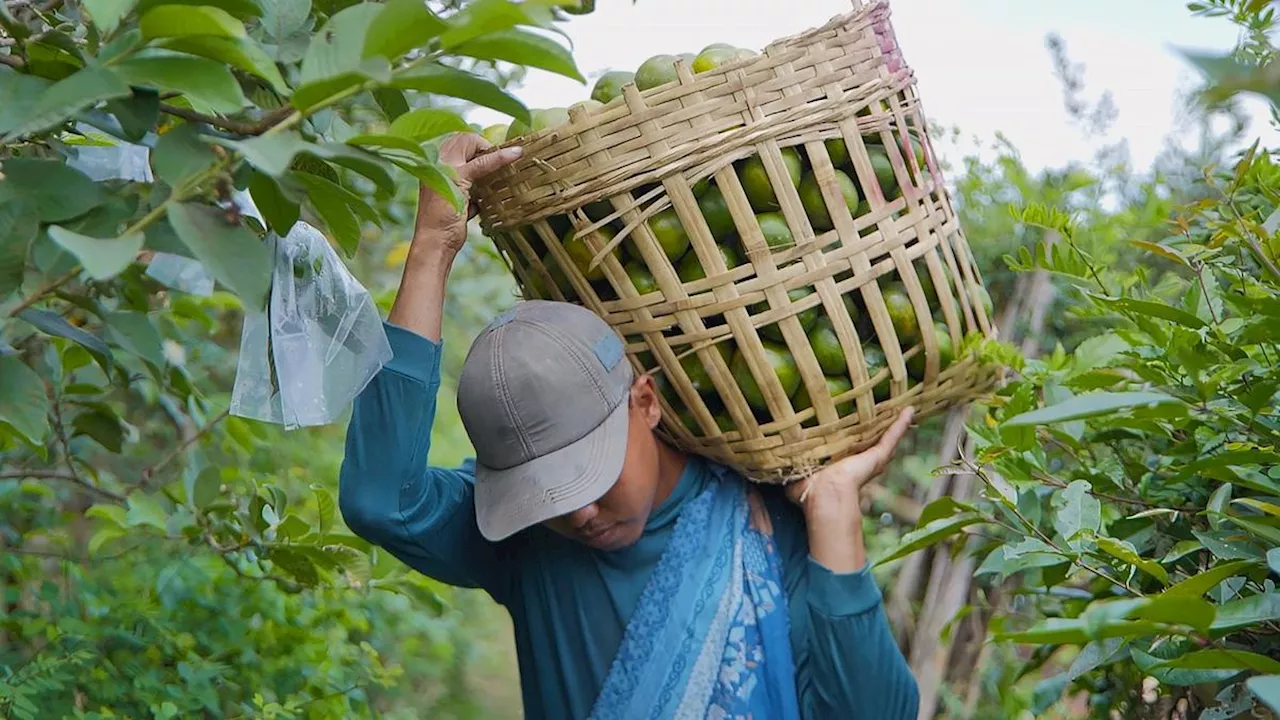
(641, 581)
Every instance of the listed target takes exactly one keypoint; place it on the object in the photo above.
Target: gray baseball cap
(543, 397)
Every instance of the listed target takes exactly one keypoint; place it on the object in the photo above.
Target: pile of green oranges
(673, 238)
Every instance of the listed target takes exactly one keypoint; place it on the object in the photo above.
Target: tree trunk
(950, 580)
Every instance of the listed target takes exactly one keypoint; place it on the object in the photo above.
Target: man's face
(617, 519)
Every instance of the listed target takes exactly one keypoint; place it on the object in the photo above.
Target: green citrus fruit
(715, 209)
(946, 353)
(714, 58)
(784, 366)
(701, 187)
(669, 233)
(610, 85)
(903, 315)
(657, 70)
(718, 46)
(838, 152)
(582, 253)
(826, 347)
(918, 148)
(641, 278)
(560, 225)
(690, 268)
(774, 228)
(549, 118)
(815, 205)
(598, 210)
(587, 105)
(985, 298)
(495, 134)
(744, 53)
(755, 179)
(837, 385)
(517, 129)
(876, 362)
(884, 170)
(688, 58)
(697, 373)
(806, 317)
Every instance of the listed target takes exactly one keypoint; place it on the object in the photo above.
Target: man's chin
(615, 538)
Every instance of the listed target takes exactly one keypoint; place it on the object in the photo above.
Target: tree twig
(44, 290)
(13, 61)
(58, 475)
(235, 126)
(151, 471)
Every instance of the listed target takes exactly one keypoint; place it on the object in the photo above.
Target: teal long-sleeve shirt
(569, 603)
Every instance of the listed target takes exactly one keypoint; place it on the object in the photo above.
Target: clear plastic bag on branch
(319, 343)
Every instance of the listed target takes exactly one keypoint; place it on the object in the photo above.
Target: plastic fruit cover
(319, 342)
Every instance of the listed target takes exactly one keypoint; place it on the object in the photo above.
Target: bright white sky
(981, 64)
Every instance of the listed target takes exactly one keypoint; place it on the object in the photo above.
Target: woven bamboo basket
(580, 217)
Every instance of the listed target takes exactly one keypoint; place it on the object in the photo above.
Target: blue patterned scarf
(710, 636)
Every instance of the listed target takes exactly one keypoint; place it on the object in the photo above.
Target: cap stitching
(500, 379)
(548, 331)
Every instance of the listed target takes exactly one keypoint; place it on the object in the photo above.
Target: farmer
(642, 582)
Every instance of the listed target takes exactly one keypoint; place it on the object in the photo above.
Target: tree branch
(150, 471)
(235, 126)
(65, 477)
(47, 288)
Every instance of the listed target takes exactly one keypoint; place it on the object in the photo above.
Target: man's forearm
(419, 304)
(834, 524)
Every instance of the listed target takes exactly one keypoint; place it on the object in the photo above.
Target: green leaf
(1273, 560)
(930, 534)
(1126, 553)
(484, 17)
(944, 507)
(272, 154)
(1077, 510)
(438, 182)
(113, 514)
(324, 509)
(19, 226)
(338, 48)
(427, 123)
(296, 562)
(103, 536)
(208, 84)
(54, 324)
(1259, 529)
(1217, 504)
(58, 192)
(23, 403)
(242, 53)
(172, 21)
(145, 510)
(389, 142)
(1050, 631)
(137, 114)
(102, 259)
(363, 162)
(134, 333)
(522, 47)
(1247, 612)
(100, 426)
(1171, 676)
(1225, 545)
(230, 253)
(293, 527)
(18, 93)
(62, 100)
(443, 80)
(1198, 585)
(1181, 550)
(313, 94)
(391, 101)
(1228, 459)
(282, 18)
(1175, 610)
(1087, 406)
(1144, 308)
(401, 26)
(1220, 659)
(280, 212)
(207, 487)
(107, 14)
(1264, 507)
(332, 203)
(180, 154)
(1267, 689)
(241, 9)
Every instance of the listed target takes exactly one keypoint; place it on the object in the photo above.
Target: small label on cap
(503, 319)
(608, 351)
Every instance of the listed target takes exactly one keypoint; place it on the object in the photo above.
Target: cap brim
(510, 500)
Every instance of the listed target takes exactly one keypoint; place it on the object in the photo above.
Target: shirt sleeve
(853, 667)
(390, 496)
